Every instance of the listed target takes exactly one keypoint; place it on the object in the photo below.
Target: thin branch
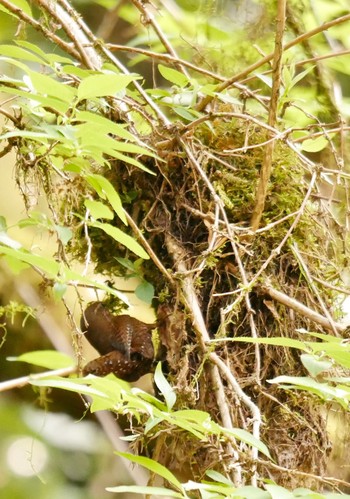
(147, 247)
(322, 479)
(149, 18)
(25, 380)
(243, 397)
(302, 309)
(219, 203)
(165, 57)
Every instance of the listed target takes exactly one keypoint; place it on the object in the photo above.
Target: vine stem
(266, 167)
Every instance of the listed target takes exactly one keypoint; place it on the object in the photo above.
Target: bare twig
(322, 479)
(324, 27)
(219, 203)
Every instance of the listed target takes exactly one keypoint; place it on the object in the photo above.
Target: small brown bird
(116, 363)
(124, 343)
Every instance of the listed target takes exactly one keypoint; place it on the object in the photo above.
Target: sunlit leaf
(105, 125)
(314, 145)
(46, 85)
(19, 53)
(323, 390)
(64, 234)
(277, 341)
(249, 439)
(70, 385)
(218, 477)
(106, 190)
(103, 84)
(98, 209)
(22, 4)
(278, 492)
(50, 359)
(313, 365)
(153, 466)
(164, 387)
(173, 75)
(122, 238)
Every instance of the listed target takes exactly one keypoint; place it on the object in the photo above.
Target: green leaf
(248, 438)
(164, 387)
(3, 224)
(126, 263)
(103, 84)
(153, 466)
(308, 494)
(48, 265)
(72, 385)
(105, 190)
(19, 53)
(46, 85)
(278, 492)
(8, 241)
(147, 491)
(50, 359)
(173, 76)
(314, 365)
(56, 104)
(218, 477)
(145, 292)
(122, 238)
(98, 209)
(15, 265)
(54, 270)
(250, 492)
(314, 145)
(105, 125)
(323, 390)
(278, 341)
